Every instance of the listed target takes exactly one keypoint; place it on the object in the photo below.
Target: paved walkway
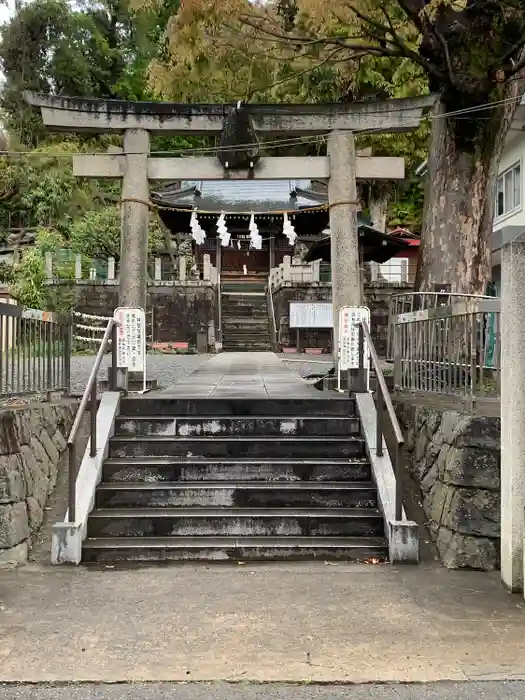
(296, 623)
(501, 690)
(243, 375)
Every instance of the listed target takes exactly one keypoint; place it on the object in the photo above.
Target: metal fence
(35, 351)
(419, 301)
(451, 350)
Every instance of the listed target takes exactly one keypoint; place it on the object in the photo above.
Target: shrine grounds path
(273, 623)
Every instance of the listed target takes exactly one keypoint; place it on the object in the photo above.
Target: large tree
(471, 52)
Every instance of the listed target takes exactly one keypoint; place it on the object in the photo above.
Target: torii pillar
(133, 279)
(344, 237)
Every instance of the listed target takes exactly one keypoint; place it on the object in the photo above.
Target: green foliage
(97, 233)
(98, 48)
(407, 207)
(28, 278)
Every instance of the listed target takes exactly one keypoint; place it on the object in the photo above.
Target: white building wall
(513, 153)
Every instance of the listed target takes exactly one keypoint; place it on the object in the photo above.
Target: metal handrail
(272, 314)
(219, 308)
(383, 401)
(90, 395)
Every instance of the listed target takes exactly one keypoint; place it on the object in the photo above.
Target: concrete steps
(235, 479)
(245, 320)
(318, 407)
(214, 426)
(171, 469)
(238, 522)
(229, 494)
(240, 447)
(148, 550)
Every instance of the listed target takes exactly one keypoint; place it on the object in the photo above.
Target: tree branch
(446, 53)
(517, 67)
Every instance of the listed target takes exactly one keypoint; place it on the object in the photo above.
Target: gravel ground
(306, 365)
(501, 690)
(166, 369)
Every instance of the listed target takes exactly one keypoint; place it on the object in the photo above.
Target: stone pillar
(344, 240)
(287, 268)
(218, 256)
(111, 268)
(512, 328)
(158, 269)
(206, 267)
(182, 269)
(271, 251)
(133, 276)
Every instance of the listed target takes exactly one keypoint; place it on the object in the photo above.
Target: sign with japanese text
(306, 314)
(349, 317)
(131, 339)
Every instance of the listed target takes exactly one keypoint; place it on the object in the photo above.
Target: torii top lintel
(78, 114)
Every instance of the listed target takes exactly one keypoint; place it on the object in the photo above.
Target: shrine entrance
(240, 156)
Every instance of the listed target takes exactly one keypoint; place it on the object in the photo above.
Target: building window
(395, 270)
(508, 191)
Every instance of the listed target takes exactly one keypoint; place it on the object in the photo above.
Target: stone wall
(179, 310)
(32, 450)
(455, 460)
(377, 298)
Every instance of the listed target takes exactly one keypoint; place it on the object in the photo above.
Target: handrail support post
(72, 479)
(93, 420)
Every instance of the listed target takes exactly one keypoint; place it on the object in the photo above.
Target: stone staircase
(235, 479)
(245, 320)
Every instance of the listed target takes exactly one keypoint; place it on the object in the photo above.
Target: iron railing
(451, 350)
(271, 313)
(90, 397)
(35, 351)
(419, 301)
(219, 308)
(382, 401)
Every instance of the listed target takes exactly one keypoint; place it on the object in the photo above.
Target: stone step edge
(221, 541)
(240, 485)
(154, 417)
(232, 512)
(356, 439)
(167, 460)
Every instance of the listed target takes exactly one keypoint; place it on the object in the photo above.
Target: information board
(349, 316)
(131, 339)
(311, 314)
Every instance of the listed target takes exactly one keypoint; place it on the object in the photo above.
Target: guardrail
(35, 351)
(451, 350)
(419, 301)
(383, 401)
(90, 397)
(271, 312)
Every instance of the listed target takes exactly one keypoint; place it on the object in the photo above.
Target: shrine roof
(241, 196)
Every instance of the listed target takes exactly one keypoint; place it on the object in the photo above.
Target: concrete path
(276, 623)
(502, 690)
(243, 375)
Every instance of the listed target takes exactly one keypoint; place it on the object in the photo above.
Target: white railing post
(158, 269)
(206, 267)
(182, 269)
(49, 265)
(78, 266)
(111, 268)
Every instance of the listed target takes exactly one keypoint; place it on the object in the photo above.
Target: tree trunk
(380, 194)
(459, 198)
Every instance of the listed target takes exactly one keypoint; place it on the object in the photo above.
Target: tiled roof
(242, 195)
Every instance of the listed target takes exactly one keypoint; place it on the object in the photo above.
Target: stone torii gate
(136, 167)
